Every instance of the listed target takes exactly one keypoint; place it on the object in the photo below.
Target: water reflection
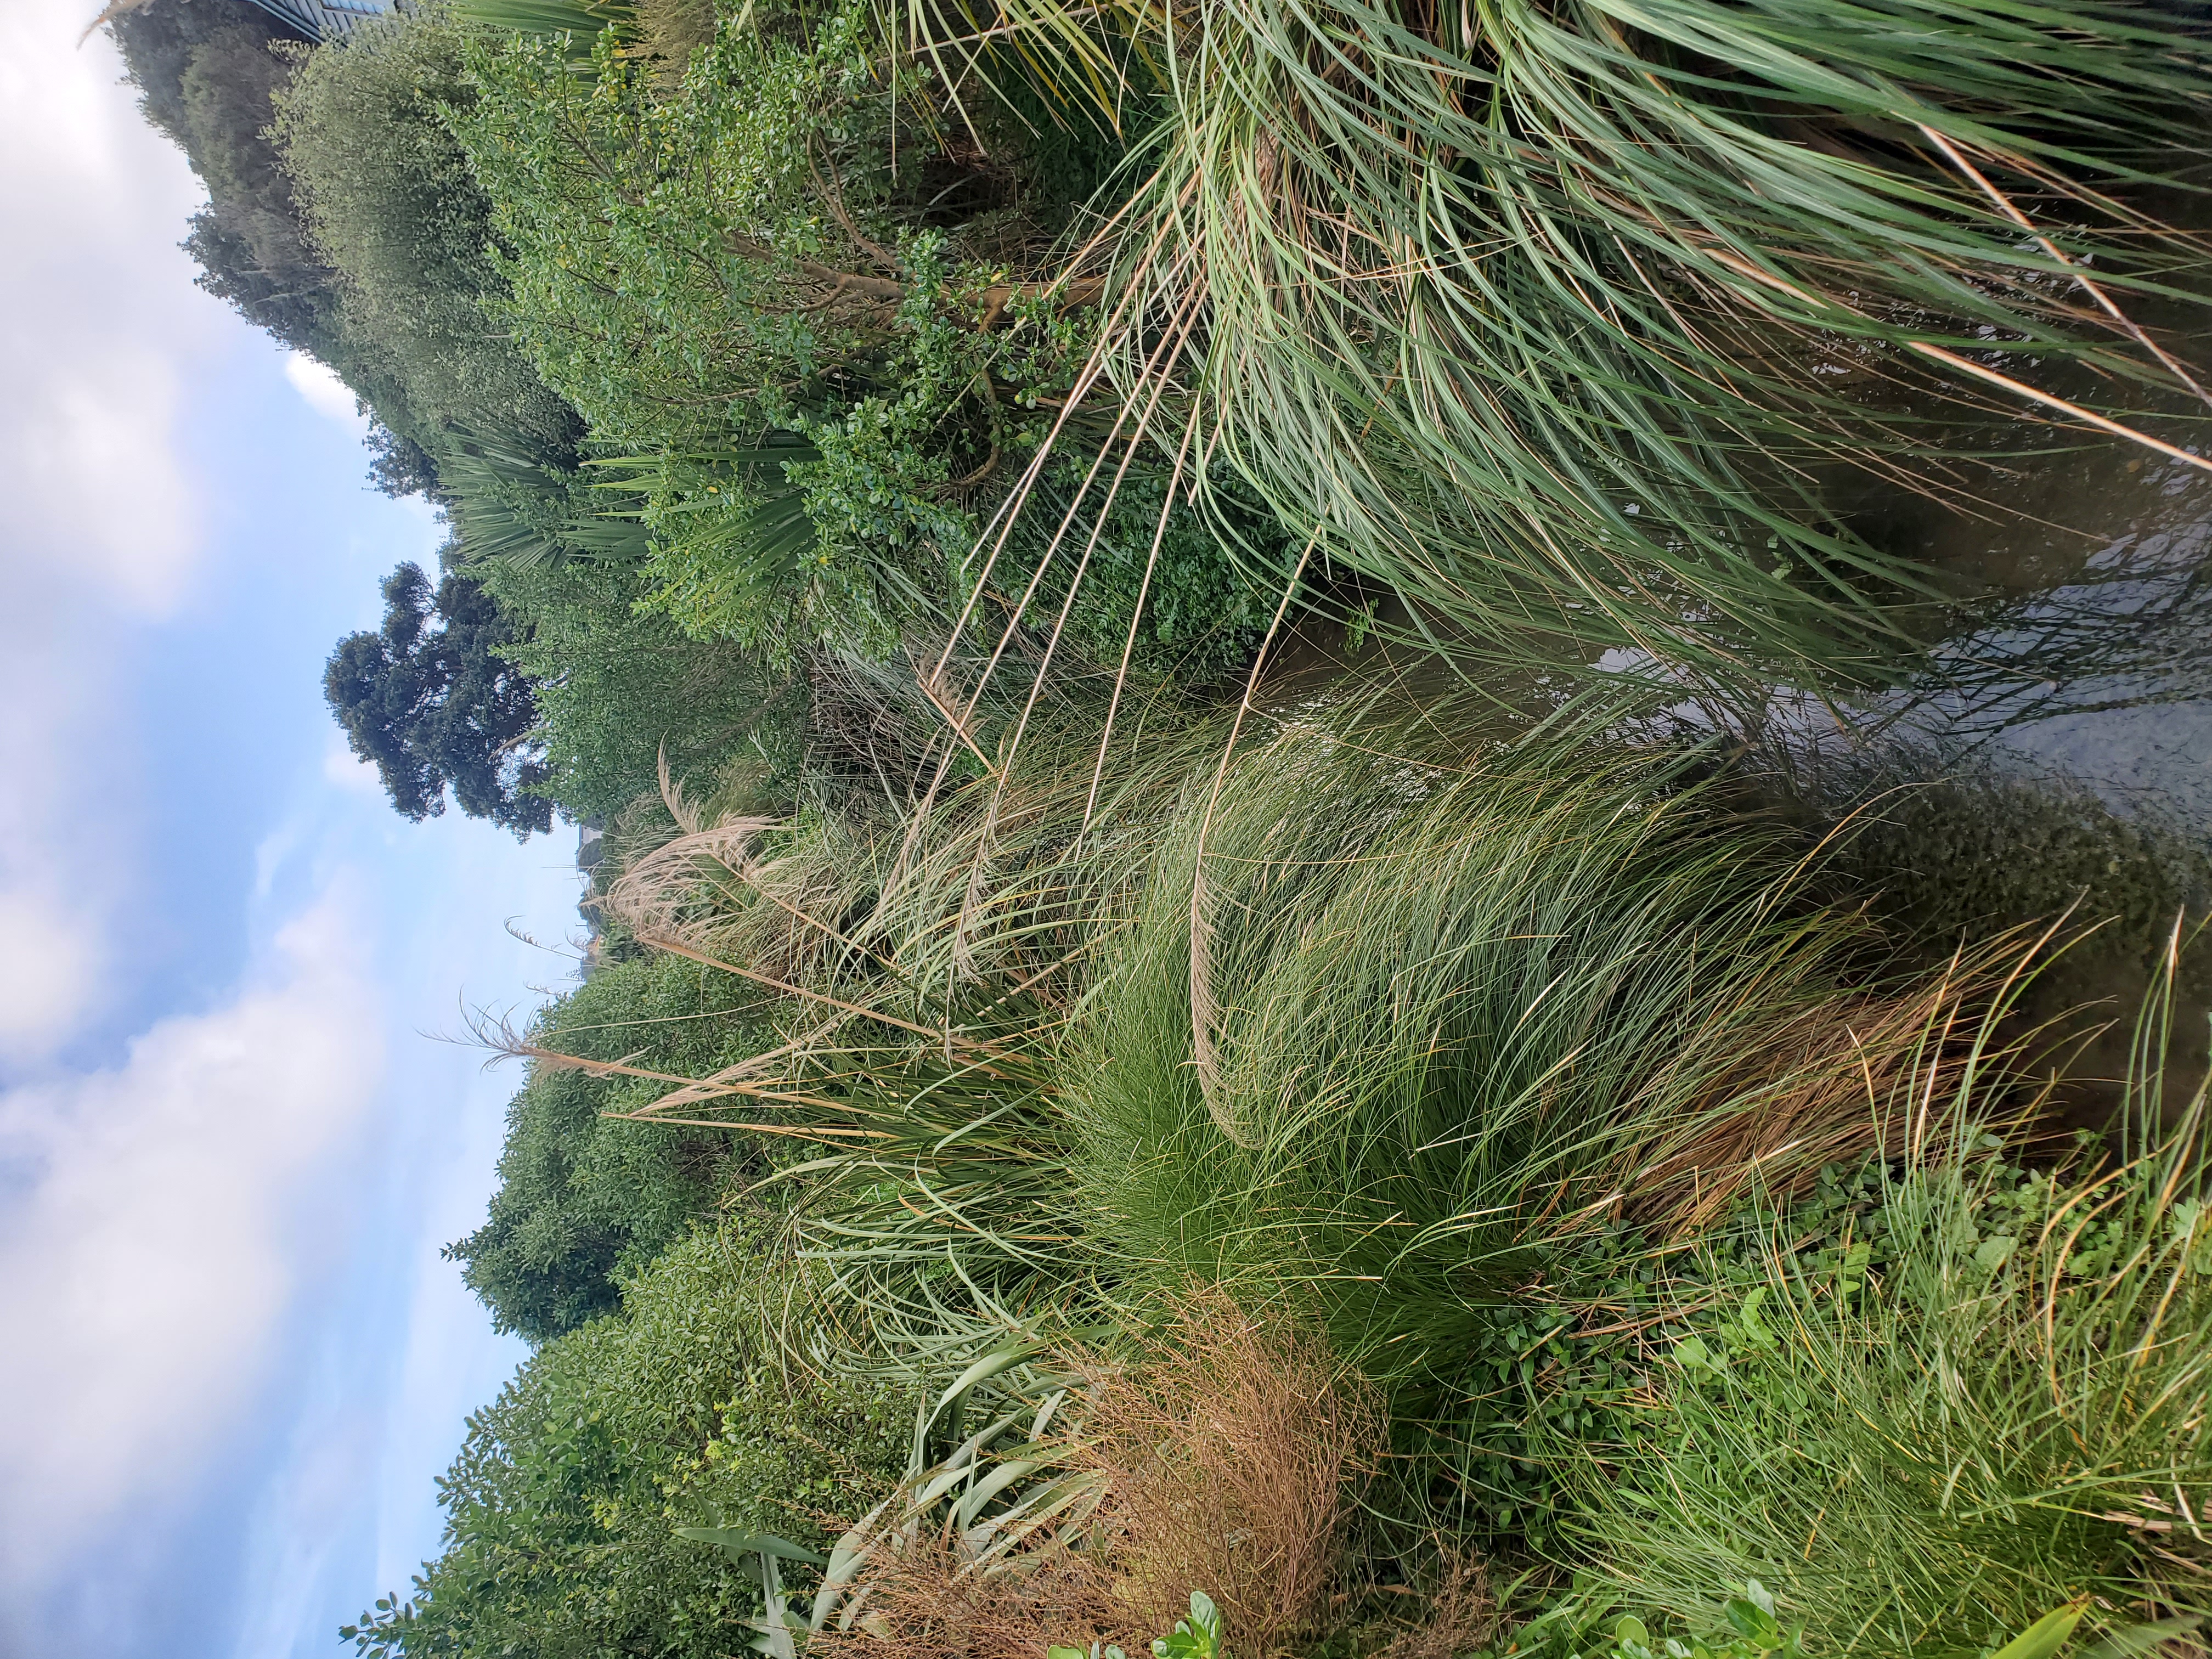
(2083, 647)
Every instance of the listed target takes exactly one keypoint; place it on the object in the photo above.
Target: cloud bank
(102, 337)
(154, 1243)
(321, 390)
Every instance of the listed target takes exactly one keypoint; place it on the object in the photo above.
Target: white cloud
(104, 494)
(102, 339)
(319, 385)
(62, 862)
(49, 970)
(157, 1238)
(345, 770)
(102, 326)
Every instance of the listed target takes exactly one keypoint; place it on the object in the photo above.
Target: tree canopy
(583, 1197)
(431, 702)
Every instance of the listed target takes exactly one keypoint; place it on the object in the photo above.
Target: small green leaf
(1692, 1354)
(746, 1543)
(1754, 1621)
(2045, 1636)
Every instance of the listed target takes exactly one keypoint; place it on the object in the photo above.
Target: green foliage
(1748, 1626)
(1197, 1636)
(617, 689)
(1512, 1065)
(582, 1199)
(208, 74)
(1548, 1383)
(390, 203)
(563, 1507)
(1426, 1008)
(1548, 317)
(1998, 1407)
(664, 254)
(699, 268)
(507, 507)
(1752, 1632)
(433, 707)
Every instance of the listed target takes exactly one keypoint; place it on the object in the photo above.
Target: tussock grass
(1457, 1004)
(1223, 1457)
(1465, 1017)
(1560, 320)
(1454, 1010)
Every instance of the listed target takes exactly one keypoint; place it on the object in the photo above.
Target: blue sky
(231, 1138)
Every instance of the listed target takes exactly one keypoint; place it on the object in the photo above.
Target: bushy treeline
(1465, 1151)
(679, 1406)
(698, 367)
(583, 1197)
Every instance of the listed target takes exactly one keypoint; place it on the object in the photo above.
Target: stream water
(2055, 749)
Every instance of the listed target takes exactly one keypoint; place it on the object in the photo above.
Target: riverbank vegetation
(1278, 962)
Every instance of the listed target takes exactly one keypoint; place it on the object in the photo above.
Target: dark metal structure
(322, 19)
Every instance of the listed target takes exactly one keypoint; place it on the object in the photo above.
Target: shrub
(780, 244)
(583, 1199)
(618, 690)
(563, 1507)
(390, 203)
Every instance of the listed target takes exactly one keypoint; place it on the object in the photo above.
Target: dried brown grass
(1462, 1617)
(670, 31)
(1833, 1083)
(1225, 1460)
(1220, 1463)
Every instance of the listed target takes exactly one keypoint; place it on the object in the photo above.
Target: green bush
(208, 74)
(701, 269)
(582, 1199)
(616, 690)
(390, 203)
(564, 1506)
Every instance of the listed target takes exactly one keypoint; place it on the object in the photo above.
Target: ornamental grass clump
(1569, 323)
(1427, 1016)
(1431, 1010)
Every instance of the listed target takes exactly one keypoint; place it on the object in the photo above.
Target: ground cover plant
(1227, 1013)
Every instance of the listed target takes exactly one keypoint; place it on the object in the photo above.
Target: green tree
(432, 702)
(581, 1197)
(563, 1507)
(208, 74)
(390, 202)
(618, 690)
